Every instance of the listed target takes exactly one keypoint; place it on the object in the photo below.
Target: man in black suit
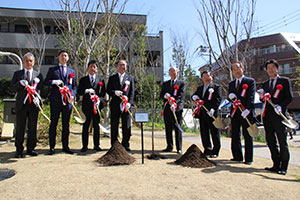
(243, 89)
(92, 87)
(121, 86)
(60, 75)
(26, 82)
(210, 93)
(172, 89)
(278, 90)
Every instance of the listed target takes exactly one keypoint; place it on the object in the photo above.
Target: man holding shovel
(92, 87)
(208, 95)
(277, 90)
(172, 92)
(241, 93)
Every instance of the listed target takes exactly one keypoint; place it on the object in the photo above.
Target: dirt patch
(116, 155)
(194, 158)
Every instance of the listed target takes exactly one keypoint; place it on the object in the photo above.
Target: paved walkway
(260, 149)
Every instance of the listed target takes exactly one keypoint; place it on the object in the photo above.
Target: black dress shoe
(283, 172)
(68, 151)
(179, 151)
(84, 149)
(51, 152)
(19, 155)
(167, 150)
(98, 149)
(32, 153)
(272, 169)
(247, 163)
(127, 149)
(213, 156)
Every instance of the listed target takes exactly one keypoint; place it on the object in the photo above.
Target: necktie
(92, 80)
(28, 76)
(172, 83)
(204, 90)
(121, 79)
(237, 84)
(64, 71)
(271, 85)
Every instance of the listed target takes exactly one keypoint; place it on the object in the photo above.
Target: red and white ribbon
(71, 75)
(236, 104)
(265, 98)
(171, 101)
(198, 104)
(31, 90)
(278, 89)
(64, 91)
(127, 83)
(125, 101)
(100, 86)
(245, 87)
(95, 99)
(176, 87)
(211, 91)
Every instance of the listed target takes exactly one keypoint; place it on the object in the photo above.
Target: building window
(47, 29)
(49, 60)
(285, 68)
(22, 29)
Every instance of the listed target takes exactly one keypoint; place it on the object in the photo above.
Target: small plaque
(141, 117)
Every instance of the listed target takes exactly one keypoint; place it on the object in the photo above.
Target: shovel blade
(290, 123)
(105, 130)
(79, 120)
(253, 130)
(218, 123)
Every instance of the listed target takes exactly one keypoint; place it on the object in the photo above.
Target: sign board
(141, 117)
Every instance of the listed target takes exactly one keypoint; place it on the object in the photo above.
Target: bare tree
(38, 38)
(224, 24)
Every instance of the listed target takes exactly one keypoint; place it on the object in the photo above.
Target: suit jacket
(209, 104)
(84, 83)
(114, 84)
(21, 90)
(248, 100)
(55, 73)
(285, 95)
(166, 88)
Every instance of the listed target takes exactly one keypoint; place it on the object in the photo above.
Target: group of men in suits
(27, 84)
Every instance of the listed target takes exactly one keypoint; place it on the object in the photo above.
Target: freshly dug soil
(194, 158)
(116, 155)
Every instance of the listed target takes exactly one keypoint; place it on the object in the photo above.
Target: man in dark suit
(92, 87)
(243, 89)
(121, 85)
(60, 75)
(280, 93)
(210, 93)
(24, 83)
(173, 89)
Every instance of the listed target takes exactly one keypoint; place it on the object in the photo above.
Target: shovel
(290, 123)
(78, 118)
(105, 130)
(252, 129)
(176, 123)
(218, 123)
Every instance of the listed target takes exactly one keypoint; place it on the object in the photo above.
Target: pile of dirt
(116, 155)
(194, 158)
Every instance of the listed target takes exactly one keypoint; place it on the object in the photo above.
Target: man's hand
(211, 112)
(128, 105)
(245, 113)
(89, 91)
(57, 82)
(36, 80)
(173, 107)
(23, 82)
(278, 109)
(195, 97)
(118, 93)
(36, 101)
(232, 96)
(167, 95)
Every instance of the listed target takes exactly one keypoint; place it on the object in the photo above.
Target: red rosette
(279, 87)
(176, 87)
(100, 83)
(71, 75)
(245, 86)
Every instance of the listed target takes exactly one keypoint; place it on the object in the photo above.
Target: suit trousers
(90, 116)
(236, 148)
(28, 113)
(207, 128)
(275, 129)
(126, 126)
(169, 125)
(56, 108)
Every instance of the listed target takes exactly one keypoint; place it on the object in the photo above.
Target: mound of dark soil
(194, 158)
(116, 155)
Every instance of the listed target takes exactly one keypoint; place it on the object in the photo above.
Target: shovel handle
(241, 112)
(280, 113)
(208, 111)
